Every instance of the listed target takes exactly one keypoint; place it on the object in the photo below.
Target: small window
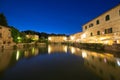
(0, 35)
(97, 22)
(91, 25)
(107, 18)
(85, 27)
(98, 32)
(105, 31)
(91, 34)
(110, 30)
(119, 12)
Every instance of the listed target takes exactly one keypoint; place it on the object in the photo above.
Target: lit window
(107, 17)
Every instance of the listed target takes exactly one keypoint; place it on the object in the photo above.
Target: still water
(58, 62)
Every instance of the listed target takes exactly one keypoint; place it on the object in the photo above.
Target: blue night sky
(53, 16)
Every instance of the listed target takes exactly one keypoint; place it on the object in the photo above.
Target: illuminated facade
(57, 39)
(5, 35)
(75, 37)
(103, 29)
(33, 37)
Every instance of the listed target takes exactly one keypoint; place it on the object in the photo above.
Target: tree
(3, 20)
(15, 33)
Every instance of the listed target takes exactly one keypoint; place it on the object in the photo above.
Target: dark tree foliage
(42, 34)
(3, 20)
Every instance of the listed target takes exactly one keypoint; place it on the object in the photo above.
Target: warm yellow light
(72, 50)
(84, 54)
(65, 49)
(83, 36)
(65, 38)
(33, 50)
(17, 55)
(49, 49)
(49, 38)
(72, 37)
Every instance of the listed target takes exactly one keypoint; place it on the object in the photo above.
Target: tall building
(104, 28)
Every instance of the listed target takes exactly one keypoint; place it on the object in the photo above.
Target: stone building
(33, 37)
(5, 35)
(75, 37)
(57, 39)
(104, 28)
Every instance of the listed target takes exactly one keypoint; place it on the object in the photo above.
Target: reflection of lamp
(33, 50)
(84, 54)
(72, 50)
(17, 55)
(65, 49)
(49, 49)
(118, 62)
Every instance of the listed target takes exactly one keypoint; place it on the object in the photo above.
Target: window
(98, 32)
(107, 18)
(119, 12)
(0, 35)
(91, 25)
(109, 30)
(97, 22)
(105, 31)
(91, 34)
(85, 27)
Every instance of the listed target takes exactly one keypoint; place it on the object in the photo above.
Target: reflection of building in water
(74, 50)
(31, 52)
(105, 65)
(5, 57)
(57, 48)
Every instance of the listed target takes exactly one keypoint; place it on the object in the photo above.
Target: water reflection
(104, 65)
(5, 57)
(57, 48)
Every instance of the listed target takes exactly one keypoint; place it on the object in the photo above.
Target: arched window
(85, 27)
(107, 17)
(97, 22)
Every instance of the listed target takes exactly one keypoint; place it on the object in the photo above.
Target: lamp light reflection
(84, 54)
(17, 55)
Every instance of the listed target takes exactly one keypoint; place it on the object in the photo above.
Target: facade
(33, 37)
(76, 37)
(5, 35)
(57, 39)
(103, 29)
